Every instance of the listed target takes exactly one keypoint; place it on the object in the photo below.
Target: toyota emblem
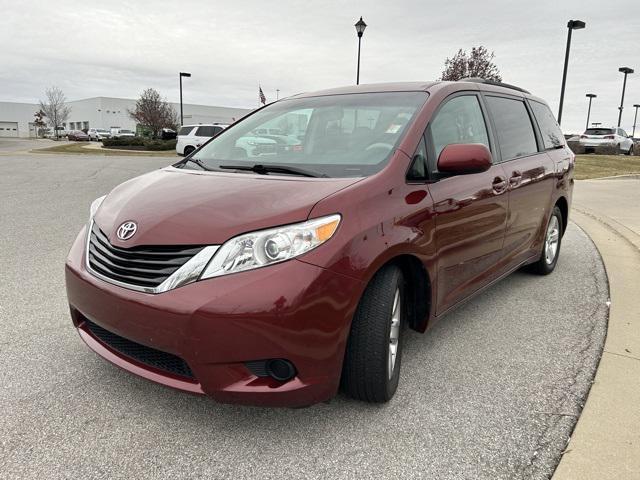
(127, 230)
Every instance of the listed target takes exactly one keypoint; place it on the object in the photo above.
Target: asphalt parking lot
(492, 391)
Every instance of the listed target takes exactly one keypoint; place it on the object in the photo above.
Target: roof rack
(492, 82)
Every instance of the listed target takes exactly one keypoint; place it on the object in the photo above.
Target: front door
(471, 210)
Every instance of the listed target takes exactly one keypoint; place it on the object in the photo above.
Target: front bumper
(291, 310)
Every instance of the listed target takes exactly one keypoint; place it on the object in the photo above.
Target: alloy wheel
(552, 240)
(394, 332)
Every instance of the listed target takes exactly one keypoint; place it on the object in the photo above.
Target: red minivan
(275, 276)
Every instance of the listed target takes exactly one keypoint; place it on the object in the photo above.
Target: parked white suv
(594, 139)
(122, 133)
(191, 137)
(98, 134)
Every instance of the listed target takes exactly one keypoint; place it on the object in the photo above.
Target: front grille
(143, 354)
(143, 266)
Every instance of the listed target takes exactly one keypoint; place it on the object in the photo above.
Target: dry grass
(82, 148)
(598, 166)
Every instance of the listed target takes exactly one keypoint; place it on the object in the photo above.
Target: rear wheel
(551, 248)
(188, 150)
(371, 368)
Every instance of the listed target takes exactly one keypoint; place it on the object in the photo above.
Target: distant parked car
(122, 133)
(168, 134)
(191, 137)
(98, 134)
(51, 133)
(78, 136)
(595, 139)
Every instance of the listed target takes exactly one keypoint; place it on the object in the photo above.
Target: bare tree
(479, 63)
(55, 108)
(154, 112)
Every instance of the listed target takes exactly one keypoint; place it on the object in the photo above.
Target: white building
(16, 119)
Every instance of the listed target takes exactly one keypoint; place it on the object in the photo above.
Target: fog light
(280, 369)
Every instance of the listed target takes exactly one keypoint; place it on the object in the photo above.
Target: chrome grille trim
(188, 272)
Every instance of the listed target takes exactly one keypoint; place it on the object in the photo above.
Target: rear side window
(206, 131)
(185, 130)
(460, 120)
(515, 131)
(551, 134)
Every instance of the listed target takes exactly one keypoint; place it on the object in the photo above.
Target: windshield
(335, 136)
(599, 131)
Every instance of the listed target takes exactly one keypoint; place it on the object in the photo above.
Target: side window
(551, 134)
(217, 130)
(460, 120)
(205, 131)
(185, 130)
(513, 125)
(623, 133)
(418, 170)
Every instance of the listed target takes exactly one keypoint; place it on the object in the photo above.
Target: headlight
(266, 247)
(94, 206)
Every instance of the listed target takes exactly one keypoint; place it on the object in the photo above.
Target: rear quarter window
(552, 136)
(516, 137)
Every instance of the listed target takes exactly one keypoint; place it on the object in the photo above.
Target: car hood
(187, 207)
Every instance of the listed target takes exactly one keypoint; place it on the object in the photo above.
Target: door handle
(499, 184)
(515, 179)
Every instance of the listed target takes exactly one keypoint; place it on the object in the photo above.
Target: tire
(188, 150)
(369, 372)
(543, 266)
(630, 151)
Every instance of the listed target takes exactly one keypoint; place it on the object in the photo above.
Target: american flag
(263, 99)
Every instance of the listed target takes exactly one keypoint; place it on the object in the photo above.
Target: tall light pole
(626, 71)
(182, 74)
(591, 96)
(571, 26)
(360, 26)
(636, 106)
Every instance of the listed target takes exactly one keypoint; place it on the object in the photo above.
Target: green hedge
(139, 143)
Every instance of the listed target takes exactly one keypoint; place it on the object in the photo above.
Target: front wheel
(551, 248)
(371, 369)
(630, 151)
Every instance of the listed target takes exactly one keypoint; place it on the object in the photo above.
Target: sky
(118, 48)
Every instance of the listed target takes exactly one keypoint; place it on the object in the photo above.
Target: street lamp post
(635, 119)
(182, 74)
(571, 26)
(626, 71)
(591, 96)
(360, 26)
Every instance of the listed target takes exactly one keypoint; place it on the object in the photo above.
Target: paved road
(490, 392)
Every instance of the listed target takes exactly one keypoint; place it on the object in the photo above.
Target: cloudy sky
(120, 48)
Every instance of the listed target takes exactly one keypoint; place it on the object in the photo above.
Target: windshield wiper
(198, 162)
(266, 169)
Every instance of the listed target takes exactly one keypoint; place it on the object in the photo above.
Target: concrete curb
(605, 443)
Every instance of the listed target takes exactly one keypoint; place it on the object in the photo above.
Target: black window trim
(534, 125)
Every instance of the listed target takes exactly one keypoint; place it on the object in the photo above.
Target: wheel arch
(417, 285)
(563, 205)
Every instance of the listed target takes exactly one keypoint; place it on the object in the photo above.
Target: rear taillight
(609, 137)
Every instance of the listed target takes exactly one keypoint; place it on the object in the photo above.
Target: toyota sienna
(278, 277)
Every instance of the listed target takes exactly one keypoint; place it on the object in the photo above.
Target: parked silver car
(595, 139)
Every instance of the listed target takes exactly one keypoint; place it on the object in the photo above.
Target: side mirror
(464, 158)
